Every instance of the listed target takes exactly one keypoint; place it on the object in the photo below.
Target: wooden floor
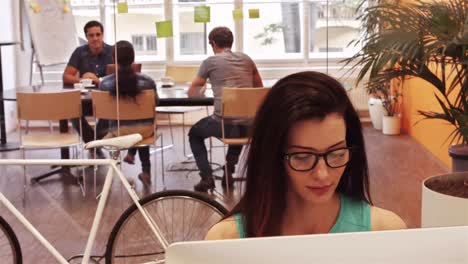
(398, 164)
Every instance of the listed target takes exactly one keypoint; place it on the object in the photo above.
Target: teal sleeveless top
(354, 216)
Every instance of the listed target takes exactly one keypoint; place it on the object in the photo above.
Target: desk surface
(174, 96)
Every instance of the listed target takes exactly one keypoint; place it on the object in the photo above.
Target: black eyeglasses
(306, 161)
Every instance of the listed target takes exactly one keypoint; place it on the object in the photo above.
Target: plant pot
(391, 125)
(439, 209)
(459, 155)
(376, 112)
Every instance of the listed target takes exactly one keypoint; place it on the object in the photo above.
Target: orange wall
(433, 134)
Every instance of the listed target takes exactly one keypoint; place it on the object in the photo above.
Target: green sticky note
(164, 29)
(237, 14)
(122, 8)
(202, 14)
(254, 13)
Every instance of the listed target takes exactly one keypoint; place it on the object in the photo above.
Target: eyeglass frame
(323, 155)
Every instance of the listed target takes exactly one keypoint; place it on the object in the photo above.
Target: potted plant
(428, 40)
(388, 94)
(376, 111)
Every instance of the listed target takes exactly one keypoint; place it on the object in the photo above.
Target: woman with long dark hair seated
(130, 84)
(306, 166)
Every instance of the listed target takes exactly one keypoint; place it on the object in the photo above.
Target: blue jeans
(211, 127)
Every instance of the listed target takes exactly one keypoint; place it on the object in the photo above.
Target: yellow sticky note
(122, 8)
(35, 7)
(164, 29)
(254, 13)
(202, 14)
(237, 14)
(66, 9)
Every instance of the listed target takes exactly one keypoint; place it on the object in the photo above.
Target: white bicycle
(142, 233)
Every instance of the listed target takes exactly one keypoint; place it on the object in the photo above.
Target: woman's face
(317, 185)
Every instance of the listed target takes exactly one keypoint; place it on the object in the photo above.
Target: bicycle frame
(113, 168)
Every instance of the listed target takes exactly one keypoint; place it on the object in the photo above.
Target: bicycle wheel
(180, 215)
(10, 251)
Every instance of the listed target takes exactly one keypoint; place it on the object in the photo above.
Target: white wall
(15, 61)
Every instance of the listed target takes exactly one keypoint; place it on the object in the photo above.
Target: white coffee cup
(78, 86)
(86, 82)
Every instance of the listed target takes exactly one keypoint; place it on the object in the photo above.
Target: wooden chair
(49, 106)
(110, 68)
(180, 74)
(105, 106)
(239, 104)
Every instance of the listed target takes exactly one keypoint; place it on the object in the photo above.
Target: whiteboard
(53, 31)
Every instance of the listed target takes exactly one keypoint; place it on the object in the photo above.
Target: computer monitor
(411, 246)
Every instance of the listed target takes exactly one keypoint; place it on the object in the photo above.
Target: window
(330, 49)
(277, 34)
(332, 27)
(84, 11)
(151, 43)
(137, 42)
(287, 30)
(139, 22)
(144, 43)
(190, 38)
(192, 43)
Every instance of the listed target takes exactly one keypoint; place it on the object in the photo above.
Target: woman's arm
(225, 229)
(382, 219)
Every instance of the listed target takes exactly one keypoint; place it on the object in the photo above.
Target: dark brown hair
(297, 97)
(222, 36)
(127, 76)
(93, 23)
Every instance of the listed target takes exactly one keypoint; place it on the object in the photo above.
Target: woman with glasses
(306, 166)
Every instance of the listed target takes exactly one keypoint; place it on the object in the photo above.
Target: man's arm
(197, 85)
(257, 80)
(70, 75)
(92, 76)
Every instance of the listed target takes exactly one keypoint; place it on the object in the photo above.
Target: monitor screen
(429, 245)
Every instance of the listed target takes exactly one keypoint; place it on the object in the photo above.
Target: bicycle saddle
(121, 142)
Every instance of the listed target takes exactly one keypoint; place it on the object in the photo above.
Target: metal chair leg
(162, 162)
(23, 156)
(211, 150)
(83, 176)
(155, 167)
(183, 136)
(170, 128)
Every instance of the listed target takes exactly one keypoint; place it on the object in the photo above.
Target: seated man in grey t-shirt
(224, 69)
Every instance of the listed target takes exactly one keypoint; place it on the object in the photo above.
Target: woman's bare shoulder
(225, 229)
(382, 219)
